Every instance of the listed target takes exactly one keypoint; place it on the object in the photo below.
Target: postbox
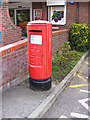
(40, 54)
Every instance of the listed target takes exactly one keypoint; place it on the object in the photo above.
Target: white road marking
(62, 116)
(82, 102)
(84, 91)
(77, 115)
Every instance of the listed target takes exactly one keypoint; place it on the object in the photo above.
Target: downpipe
(77, 12)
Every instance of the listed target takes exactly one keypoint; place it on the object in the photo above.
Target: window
(57, 12)
(22, 17)
(37, 14)
(11, 12)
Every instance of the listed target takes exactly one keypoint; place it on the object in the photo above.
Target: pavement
(22, 102)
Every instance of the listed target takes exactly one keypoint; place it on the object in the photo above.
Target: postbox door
(37, 53)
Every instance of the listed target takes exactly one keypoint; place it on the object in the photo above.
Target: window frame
(34, 13)
(50, 15)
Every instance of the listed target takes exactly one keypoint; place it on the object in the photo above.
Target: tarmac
(74, 101)
(22, 102)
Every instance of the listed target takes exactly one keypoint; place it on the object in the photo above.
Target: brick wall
(89, 14)
(44, 11)
(58, 38)
(40, 5)
(71, 13)
(14, 59)
(0, 24)
(10, 33)
(36, 5)
(83, 12)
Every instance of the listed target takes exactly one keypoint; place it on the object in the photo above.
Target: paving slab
(19, 101)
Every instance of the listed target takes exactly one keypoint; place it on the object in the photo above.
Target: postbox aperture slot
(36, 39)
(35, 31)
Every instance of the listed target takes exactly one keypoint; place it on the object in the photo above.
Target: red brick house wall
(10, 33)
(41, 5)
(36, 5)
(71, 13)
(83, 12)
(89, 14)
(44, 11)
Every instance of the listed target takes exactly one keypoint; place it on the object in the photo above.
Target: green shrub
(78, 37)
(24, 32)
(65, 60)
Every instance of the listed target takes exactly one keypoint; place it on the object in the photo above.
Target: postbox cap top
(39, 22)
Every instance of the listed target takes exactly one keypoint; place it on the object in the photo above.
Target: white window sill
(58, 23)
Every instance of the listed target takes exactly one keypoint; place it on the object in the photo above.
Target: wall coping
(12, 47)
(17, 45)
(60, 31)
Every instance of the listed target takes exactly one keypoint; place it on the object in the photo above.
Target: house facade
(62, 14)
(14, 13)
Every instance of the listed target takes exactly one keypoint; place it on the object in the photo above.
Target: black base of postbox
(40, 85)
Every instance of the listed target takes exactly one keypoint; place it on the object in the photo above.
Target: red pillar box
(40, 54)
